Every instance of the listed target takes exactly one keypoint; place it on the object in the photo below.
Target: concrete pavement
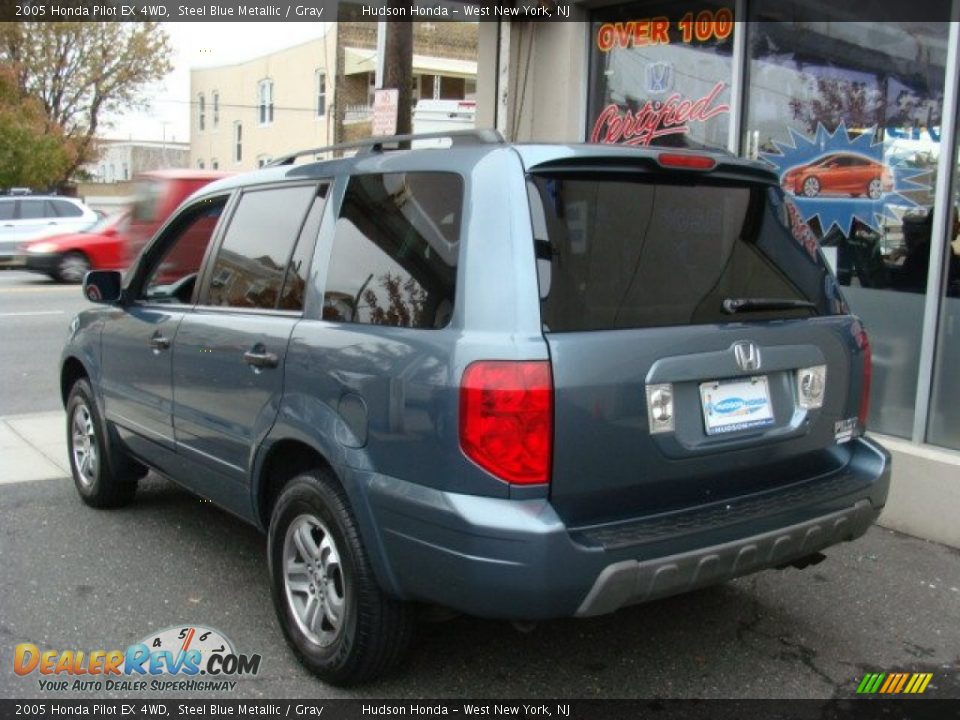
(33, 447)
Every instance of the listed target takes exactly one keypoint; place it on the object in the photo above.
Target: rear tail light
(506, 419)
(688, 162)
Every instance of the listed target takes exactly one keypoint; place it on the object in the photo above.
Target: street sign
(385, 103)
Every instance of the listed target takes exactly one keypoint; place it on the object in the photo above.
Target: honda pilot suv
(517, 381)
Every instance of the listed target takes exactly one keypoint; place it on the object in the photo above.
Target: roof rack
(371, 145)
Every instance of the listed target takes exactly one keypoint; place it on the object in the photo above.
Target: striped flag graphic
(898, 683)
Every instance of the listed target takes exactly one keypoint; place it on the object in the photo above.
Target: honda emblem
(747, 355)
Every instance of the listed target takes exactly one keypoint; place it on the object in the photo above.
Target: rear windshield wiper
(731, 306)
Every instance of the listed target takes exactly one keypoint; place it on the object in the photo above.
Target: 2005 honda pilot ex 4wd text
(518, 381)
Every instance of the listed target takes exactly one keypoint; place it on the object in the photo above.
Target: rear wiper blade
(731, 306)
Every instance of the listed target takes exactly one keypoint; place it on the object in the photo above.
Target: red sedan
(67, 258)
(839, 174)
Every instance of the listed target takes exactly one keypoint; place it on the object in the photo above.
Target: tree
(80, 72)
(33, 151)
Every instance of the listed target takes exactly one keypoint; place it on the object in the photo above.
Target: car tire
(103, 475)
(810, 187)
(332, 611)
(72, 267)
(875, 189)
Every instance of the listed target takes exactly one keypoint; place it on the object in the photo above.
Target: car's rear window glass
(6, 209)
(632, 253)
(252, 261)
(395, 250)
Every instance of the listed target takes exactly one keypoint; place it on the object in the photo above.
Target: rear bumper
(516, 559)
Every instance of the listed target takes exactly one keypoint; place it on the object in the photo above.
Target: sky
(203, 44)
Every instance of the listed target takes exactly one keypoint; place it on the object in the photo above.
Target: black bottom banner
(486, 709)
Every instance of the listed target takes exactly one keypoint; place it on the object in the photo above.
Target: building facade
(857, 115)
(121, 160)
(315, 94)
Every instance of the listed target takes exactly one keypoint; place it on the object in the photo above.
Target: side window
(32, 209)
(394, 254)
(6, 209)
(66, 209)
(252, 261)
(174, 275)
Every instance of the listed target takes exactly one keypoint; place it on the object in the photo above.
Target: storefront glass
(945, 397)
(848, 113)
(661, 76)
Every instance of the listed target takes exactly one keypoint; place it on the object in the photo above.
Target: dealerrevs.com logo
(181, 658)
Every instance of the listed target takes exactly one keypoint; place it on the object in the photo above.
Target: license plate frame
(736, 404)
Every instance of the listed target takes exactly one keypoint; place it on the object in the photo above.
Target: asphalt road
(72, 577)
(34, 315)
(76, 578)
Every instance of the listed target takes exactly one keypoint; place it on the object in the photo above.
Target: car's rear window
(617, 252)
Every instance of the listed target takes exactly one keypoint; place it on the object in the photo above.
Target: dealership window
(320, 79)
(216, 109)
(237, 142)
(848, 115)
(199, 164)
(661, 75)
(265, 102)
(201, 111)
(214, 164)
(944, 416)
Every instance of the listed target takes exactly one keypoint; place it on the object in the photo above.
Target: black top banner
(430, 10)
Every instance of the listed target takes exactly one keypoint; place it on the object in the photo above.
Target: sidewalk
(33, 447)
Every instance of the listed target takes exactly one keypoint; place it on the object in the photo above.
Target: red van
(158, 194)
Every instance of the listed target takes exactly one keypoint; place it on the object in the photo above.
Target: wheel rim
(874, 189)
(811, 186)
(84, 445)
(313, 580)
(73, 268)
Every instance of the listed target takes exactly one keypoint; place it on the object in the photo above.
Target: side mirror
(103, 286)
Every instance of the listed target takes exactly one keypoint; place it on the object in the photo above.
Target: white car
(28, 217)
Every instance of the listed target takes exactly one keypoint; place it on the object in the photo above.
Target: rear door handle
(259, 358)
(158, 342)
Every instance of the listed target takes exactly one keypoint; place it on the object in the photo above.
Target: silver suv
(28, 217)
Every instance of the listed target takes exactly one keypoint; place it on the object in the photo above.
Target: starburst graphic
(838, 204)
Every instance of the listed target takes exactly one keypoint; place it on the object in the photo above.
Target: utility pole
(398, 70)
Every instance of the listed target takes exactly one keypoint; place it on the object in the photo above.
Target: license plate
(734, 405)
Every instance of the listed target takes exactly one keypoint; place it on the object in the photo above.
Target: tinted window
(66, 209)
(252, 261)
(34, 209)
(627, 254)
(6, 209)
(395, 251)
(295, 284)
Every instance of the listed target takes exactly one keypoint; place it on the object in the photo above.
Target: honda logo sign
(747, 355)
